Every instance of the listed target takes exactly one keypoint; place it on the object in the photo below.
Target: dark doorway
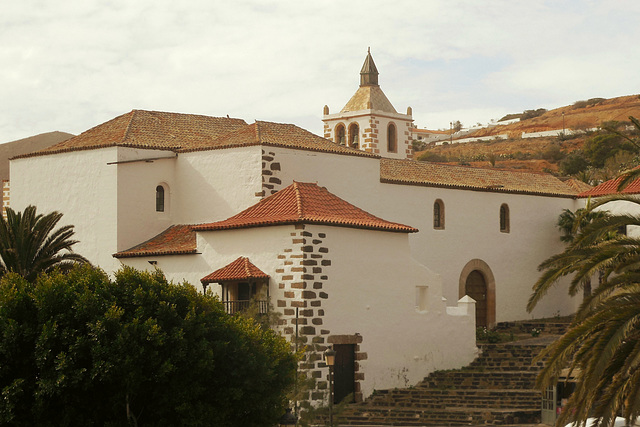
(476, 288)
(344, 381)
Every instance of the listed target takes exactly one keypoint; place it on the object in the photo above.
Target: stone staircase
(496, 388)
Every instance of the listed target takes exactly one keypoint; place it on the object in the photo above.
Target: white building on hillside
(365, 250)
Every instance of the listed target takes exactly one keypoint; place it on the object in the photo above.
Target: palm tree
(629, 176)
(570, 224)
(602, 347)
(29, 244)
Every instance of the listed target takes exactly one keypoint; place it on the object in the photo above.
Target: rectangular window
(421, 297)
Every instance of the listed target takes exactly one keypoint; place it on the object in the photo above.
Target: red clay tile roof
(611, 187)
(305, 203)
(278, 135)
(175, 240)
(240, 269)
(149, 129)
(579, 186)
(189, 132)
(410, 172)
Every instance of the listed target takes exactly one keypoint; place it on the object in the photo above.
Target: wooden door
(476, 288)
(344, 372)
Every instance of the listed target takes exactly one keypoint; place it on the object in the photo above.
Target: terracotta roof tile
(190, 132)
(305, 203)
(611, 187)
(411, 172)
(240, 269)
(578, 185)
(149, 129)
(175, 240)
(369, 98)
(278, 135)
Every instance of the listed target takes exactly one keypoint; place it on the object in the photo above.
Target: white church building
(392, 261)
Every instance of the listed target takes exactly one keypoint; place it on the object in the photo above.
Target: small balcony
(233, 307)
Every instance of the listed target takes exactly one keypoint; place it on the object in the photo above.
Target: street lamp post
(288, 419)
(330, 359)
(563, 123)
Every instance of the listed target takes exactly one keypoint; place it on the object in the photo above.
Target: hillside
(529, 153)
(27, 145)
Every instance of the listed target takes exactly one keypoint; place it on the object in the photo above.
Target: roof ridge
(257, 123)
(245, 264)
(299, 209)
(126, 131)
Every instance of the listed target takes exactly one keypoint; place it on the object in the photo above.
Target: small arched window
(392, 145)
(353, 135)
(504, 218)
(159, 198)
(340, 133)
(438, 215)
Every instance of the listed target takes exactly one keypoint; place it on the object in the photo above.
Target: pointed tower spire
(369, 72)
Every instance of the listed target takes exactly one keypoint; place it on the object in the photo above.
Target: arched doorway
(477, 281)
(476, 287)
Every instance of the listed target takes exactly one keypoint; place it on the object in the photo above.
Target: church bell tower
(369, 122)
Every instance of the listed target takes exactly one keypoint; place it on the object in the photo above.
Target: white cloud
(69, 66)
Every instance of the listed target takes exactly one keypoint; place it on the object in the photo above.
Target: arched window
(504, 218)
(340, 133)
(159, 198)
(438, 215)
(392, 146)
(353, 135)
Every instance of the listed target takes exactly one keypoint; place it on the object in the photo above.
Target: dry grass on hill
(615, 109)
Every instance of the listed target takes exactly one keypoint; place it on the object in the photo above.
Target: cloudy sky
(72, 64)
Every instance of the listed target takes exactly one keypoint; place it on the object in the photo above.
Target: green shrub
(431, 156)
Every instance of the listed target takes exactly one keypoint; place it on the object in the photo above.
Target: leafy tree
(81, 349)
(30, 245)
(431, 156)
(600, 147)
(457, 126)
(573, 164)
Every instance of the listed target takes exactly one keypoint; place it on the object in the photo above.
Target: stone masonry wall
(270, 168)
(301, 281)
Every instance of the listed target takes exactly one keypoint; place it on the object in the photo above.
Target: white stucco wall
(137, 219)
(214, 185)
(82, 187)
(373, 291)
(471, 227)
(372, 286)
(621, 207)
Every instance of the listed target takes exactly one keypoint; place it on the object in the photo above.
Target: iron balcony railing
(233, 307)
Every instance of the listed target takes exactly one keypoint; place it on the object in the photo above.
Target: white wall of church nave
(472, 231)
(216, 184)
(138, 219)
(83, 188)
(349, 177)
(471, 226)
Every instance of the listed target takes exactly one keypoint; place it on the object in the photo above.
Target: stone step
(392, 415)
(502, 399)
(497, 388)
